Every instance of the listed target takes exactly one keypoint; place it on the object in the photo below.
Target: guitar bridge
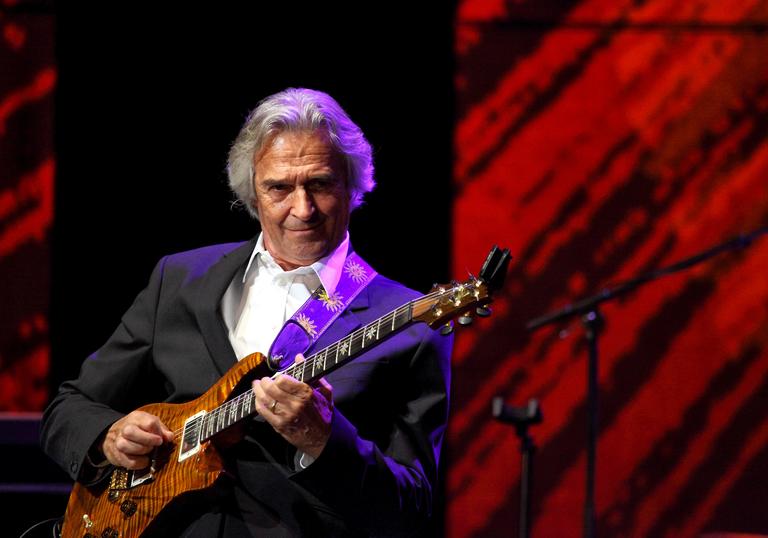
(142, 476)
(122, 479)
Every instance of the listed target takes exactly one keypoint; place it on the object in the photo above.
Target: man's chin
(309, 254)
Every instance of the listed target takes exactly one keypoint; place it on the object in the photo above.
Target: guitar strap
(318, 312)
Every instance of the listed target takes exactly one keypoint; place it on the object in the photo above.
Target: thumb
(167, 434)
(325, 388)
(162, 430)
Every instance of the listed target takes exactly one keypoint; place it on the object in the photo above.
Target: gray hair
(300, 109)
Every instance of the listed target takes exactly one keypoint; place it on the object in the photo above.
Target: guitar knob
(128, 508)
(483, 311)
(87, 521)
(464, 320)
(109, 532)
(446, 329)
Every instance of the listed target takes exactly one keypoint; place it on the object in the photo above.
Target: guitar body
(116, 508)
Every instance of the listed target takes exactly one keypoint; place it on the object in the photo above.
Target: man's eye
(279, 188)
(321, 185)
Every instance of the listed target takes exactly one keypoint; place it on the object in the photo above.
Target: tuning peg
(447, 328)
(465, 319)
(483, 311)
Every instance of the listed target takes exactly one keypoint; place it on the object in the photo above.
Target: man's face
(301, 197)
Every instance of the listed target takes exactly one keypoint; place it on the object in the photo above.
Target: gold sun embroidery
(333, 302)
(307, 324)
(355, 271)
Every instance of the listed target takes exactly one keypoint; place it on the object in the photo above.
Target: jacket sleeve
(387, 489)
(112, 382)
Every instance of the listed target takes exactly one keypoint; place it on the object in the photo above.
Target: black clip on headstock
(495, 267)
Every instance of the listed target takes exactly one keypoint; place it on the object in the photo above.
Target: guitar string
(311, 360)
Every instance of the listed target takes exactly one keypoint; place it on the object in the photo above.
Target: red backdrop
(27, 81)
(599, 139)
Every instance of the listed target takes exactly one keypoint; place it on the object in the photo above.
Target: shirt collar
(328, 268)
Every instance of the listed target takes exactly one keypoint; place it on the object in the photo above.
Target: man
(354, 455)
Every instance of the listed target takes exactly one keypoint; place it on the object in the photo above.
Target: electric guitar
(131, 503)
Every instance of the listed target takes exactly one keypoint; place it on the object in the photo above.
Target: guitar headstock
(463, 299)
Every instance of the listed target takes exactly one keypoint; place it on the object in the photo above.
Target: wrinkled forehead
(288, 146)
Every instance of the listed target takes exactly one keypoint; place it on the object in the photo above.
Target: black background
(149, 101)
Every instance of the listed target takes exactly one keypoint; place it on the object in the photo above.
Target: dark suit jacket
(375, 476)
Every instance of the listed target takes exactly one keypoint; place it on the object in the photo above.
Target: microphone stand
(593, 322)
(522, 418)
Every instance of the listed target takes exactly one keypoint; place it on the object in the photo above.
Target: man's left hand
(301, 414)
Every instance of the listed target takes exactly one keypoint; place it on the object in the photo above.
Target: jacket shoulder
(387, 285)
(202, 258)
(387, 294)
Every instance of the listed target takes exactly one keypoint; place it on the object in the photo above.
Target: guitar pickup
(190, 438)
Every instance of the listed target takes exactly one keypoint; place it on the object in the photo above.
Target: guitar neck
(312, 368)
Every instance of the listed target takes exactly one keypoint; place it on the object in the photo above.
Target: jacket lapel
(208, 313)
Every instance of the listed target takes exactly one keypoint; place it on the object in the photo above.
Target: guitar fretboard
(311, 369)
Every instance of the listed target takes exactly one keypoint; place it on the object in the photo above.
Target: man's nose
(303, 205)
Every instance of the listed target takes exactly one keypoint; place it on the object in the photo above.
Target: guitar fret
(211, 424)
(246, 406)
(204, 426)
(352, 343)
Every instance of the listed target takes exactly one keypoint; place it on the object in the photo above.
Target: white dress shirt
(261, 298)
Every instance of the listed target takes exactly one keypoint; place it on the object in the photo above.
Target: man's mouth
(304, 229)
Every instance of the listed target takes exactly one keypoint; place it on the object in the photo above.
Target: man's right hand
(130, 439)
